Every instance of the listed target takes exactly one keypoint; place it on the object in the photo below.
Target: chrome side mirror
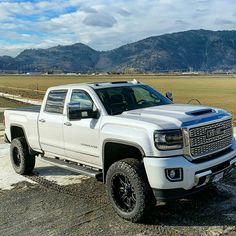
(169, 95)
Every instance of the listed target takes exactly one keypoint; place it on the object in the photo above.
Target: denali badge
(215, 132)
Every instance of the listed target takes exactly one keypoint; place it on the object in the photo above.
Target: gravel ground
(43, 207)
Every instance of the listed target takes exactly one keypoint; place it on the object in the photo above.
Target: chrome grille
(209, 139)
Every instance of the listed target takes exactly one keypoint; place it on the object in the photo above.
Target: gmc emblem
(215, 132)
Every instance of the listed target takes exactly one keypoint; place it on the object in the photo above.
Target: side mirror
(169, 95)
(75, 112)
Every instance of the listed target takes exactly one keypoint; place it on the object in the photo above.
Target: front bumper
(196, 176)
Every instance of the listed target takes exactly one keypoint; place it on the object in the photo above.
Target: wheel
(128, 189)
(22, 162)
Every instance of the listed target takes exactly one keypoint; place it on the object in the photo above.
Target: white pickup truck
(144, 147)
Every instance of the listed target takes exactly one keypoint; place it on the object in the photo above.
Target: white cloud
(105, 24)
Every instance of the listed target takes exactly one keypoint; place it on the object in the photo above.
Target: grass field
(4, 102)
(213, 90)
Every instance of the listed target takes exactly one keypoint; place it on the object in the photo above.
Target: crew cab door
(82, 136)
(50, 123)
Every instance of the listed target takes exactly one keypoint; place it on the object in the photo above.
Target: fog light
(175, 174)
(172, 174)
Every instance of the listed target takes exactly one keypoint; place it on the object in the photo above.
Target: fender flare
(117, 141)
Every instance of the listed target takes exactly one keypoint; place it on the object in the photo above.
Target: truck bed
(25, 118)
(34, 108)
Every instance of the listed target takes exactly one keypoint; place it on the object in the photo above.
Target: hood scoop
(200, 112)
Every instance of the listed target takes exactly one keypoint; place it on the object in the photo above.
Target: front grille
(209, 139)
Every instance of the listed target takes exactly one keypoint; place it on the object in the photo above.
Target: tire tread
(27, 160)
(137, 174)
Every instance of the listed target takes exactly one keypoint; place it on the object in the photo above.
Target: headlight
(168, 139)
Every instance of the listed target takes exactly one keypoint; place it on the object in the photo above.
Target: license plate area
(218, 177)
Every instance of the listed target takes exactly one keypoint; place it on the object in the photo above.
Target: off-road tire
(134, 171)
(22, 162)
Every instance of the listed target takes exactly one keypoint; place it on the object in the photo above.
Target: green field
(213, 90)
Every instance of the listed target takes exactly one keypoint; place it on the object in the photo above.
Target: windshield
(126, 98)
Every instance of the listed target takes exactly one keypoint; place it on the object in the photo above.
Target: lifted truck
(144, 147)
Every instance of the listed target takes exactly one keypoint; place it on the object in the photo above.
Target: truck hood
(174, 116)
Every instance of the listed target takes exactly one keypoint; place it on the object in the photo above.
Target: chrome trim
(186, 138)
(206, 174)
(210, 122)
(233, 162)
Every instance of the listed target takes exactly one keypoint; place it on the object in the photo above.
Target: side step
(73, 166)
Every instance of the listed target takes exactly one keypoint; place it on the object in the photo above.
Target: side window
(81, 97)
(55, 101)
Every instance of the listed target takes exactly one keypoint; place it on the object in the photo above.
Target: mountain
(195, 49)
(77, 57)
(7, 62)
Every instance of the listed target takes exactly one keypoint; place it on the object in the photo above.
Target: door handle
(42, 120)
(67, 124)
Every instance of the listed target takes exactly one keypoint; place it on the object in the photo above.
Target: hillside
(194, 49)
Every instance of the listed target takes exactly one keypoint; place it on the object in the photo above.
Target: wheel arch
(17, 131)
(114, 150)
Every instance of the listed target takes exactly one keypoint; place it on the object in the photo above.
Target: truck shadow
(215, 206)
(53, 171)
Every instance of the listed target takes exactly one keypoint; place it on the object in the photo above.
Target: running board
(72, 166)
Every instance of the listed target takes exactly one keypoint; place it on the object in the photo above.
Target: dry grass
(4, 102)
(214, 90)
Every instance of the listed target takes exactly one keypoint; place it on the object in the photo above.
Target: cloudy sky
(104, 24)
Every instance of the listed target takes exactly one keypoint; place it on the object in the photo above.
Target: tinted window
(55, 101)
(81, 97)
(125, 98)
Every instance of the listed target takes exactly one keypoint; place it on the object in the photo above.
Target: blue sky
(104, 24)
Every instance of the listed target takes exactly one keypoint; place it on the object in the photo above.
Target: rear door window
(56, 101)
